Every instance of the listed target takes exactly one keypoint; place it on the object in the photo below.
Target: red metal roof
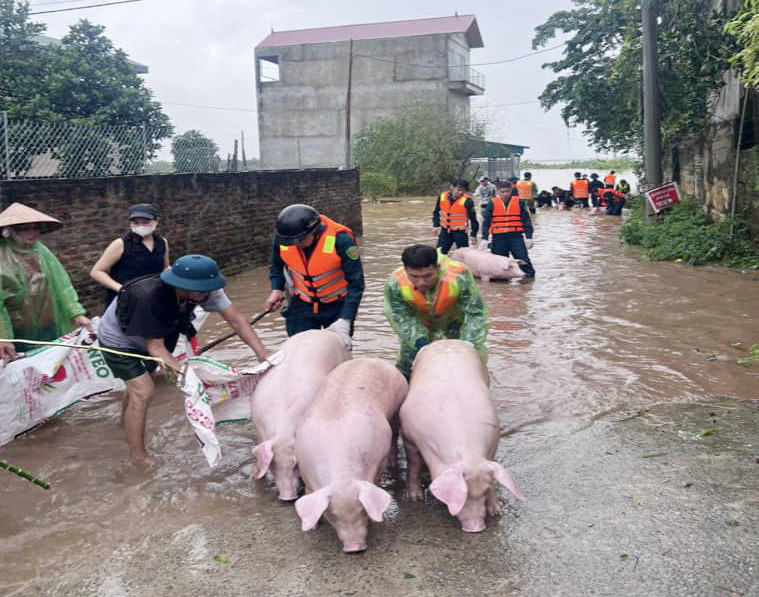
(458, 24)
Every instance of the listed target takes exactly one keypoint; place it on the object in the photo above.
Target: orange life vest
(524, 189)
(609, 180)
(608, 195)
(579, 188)
(321, 278)
(453, 216)
(506, 218)
(446, 291)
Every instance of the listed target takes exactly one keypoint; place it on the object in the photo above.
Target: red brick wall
(229, 216)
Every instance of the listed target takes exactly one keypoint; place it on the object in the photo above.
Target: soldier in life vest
(138, 253)
(509, 223)
(322, 264)
(594, 187)
(614, 201)
(432, 297)
(527, 191)
(623, 187)
(579, 188)
(609, 180)
(453, 211)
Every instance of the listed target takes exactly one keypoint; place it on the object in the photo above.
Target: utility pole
(651, 130)
(348, 107)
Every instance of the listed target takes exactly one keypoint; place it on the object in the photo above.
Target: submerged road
(606, 371)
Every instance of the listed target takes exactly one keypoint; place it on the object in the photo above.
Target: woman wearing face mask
(37, 300)
(138, 253)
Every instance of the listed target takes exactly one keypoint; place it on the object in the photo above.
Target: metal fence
(37, 149)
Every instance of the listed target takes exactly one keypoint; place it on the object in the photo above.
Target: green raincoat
(37, 300)
(466, 320)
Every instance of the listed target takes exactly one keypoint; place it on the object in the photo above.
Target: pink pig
(343, 445)
(487, 266)
(448, 422)
(282, 397)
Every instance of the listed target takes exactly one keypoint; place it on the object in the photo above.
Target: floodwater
(596, 336)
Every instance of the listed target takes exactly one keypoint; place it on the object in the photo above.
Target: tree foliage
(84, 81)
(194, 152)
(600, 77)
(417, 149)
(744, 26)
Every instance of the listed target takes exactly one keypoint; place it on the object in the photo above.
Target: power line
(55, 2)
(460, 65)
(44, 12)
(506, 105)
(208, 107)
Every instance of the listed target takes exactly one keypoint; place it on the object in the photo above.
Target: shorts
(127, 368)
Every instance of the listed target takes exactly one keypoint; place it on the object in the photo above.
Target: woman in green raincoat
(37, 300)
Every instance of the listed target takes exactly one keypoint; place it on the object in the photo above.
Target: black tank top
(137, 261)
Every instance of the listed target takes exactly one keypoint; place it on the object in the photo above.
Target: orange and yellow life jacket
(524, 189)
(506, 218)
(446, 291)
(609, 180)
(320, 278)
(580, 188)
(453, 216)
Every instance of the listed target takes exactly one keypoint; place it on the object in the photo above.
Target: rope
(88, 347)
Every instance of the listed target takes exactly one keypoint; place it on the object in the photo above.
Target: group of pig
(333, 421)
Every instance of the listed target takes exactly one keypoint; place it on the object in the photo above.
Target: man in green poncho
(37, 300)
(433, 297)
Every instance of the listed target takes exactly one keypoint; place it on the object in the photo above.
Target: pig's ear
(375, 500)
(506, 478)
(264, 454)
(311, 506)
(450, 488)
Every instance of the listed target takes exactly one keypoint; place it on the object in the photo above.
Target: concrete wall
(228, 216)
(301, 117)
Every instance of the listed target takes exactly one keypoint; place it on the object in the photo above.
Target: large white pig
(448, 422)
(343, 445)
(488, 266)
(282, 397)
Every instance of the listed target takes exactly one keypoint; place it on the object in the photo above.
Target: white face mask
(144, 230)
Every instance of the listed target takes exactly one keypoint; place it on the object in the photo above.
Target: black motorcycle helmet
(295, 222)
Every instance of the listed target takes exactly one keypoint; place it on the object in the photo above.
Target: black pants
(512, 242)
(582, 202)
(448, 237)
(615, 207)
(299, 316)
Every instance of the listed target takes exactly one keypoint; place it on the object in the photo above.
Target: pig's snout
(288, 496)
(354, 546)
(473, 526)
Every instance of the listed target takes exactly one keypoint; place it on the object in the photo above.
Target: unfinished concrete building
(308, 80)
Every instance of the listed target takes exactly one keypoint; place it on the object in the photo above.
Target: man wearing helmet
(147, 317)
(320, 260)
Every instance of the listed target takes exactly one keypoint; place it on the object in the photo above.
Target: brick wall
(228, 216)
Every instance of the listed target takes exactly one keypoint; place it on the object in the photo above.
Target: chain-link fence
(37, 149)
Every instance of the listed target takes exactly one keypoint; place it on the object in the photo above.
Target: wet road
(604, 370)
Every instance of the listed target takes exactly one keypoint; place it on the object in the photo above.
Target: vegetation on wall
(685, 233)
(744, 26)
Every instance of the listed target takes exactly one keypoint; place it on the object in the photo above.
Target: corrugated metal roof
(457, 24)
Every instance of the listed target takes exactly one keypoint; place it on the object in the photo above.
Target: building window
(268, 69)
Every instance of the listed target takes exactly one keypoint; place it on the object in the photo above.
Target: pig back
(448, 395)
(290, 386)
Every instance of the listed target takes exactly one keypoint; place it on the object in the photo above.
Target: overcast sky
(200, 52)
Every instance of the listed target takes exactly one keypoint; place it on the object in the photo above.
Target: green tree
(418, 149)
(83, 81)
(194, 152)
(744, 26)
(600, 77)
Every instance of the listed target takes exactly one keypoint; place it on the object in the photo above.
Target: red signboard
(663, 197)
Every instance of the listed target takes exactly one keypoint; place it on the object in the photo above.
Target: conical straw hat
(18, 213)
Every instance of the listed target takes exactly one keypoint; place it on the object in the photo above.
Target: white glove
(343, 328)
(528, 243)
(484, 245)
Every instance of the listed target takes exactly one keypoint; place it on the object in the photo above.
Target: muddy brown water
(603, 370)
